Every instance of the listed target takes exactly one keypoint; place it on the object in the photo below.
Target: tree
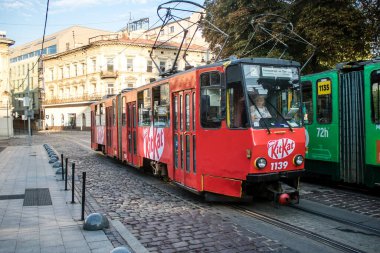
(371, 12)
(234, 17)
(337, 28)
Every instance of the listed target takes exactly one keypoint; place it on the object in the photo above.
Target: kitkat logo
(154, 140)
(278, 149)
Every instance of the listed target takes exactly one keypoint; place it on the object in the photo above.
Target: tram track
(297, 230)
(358, 225)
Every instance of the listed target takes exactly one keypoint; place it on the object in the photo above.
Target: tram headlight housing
(298, 160)
(261, 163)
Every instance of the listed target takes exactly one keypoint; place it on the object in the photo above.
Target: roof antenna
(173, 12)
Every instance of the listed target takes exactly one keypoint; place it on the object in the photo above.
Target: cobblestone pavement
(345, 199)
(161, 221)
(179, 222)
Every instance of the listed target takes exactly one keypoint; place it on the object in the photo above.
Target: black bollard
(72, 183)
(83, 193)
(66, 173)
(62, 166)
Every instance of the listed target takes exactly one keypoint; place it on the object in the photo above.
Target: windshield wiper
(265, 123)
(290, 127)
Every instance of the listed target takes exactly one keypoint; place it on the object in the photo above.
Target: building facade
(26, 72)
(6, 126)
(108, 64)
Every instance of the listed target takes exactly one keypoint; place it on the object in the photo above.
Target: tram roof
(263, 61)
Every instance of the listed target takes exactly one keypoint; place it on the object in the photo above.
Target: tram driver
(258, 110)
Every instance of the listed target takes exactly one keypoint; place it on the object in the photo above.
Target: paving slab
(45, 226)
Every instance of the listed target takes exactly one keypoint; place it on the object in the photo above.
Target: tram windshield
(273, 96)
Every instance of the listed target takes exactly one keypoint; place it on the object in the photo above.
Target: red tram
(198, 128)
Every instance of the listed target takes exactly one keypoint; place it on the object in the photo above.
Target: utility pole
(28, 109)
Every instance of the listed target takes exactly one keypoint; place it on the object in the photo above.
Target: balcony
(73, 99)
(108, 74)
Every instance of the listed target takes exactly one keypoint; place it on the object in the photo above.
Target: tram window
(97, 115)
(161, 112)
(324, 101)
(102, 114)
(175, 112)
(375, 96)
(113, 112)
(145, 107)
(236, 108)
(307, 102)
(211, 100)
(194, 156)
(187, 112)
(123, 113)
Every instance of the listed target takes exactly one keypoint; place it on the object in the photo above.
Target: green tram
(341, 109)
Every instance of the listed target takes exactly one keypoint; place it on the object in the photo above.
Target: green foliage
(339, 29)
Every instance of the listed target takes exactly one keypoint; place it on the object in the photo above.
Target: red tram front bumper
(270, 177)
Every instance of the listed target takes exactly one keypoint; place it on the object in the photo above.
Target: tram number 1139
(278, 165)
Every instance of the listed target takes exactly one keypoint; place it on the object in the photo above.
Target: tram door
(109, 130)
(131, 133)
(184, 137)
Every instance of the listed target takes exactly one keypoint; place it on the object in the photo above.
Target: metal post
(66, 173)
(62, 166)
(72, 183)
(8, 116)
(83, 193)
(28, 110)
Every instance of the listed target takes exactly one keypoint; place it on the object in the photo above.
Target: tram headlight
(261, 163)
(298, 160)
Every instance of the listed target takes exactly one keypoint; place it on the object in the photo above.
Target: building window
(130, 64)
(162, 65)
(149, 66)
(67, 71)
(93, 65)
(92, 89)
(110, 65)
(68, 46)
(110, 89)
(171, 29)
(75, 69)
(83, 68)
(130, 85)
(144, 107)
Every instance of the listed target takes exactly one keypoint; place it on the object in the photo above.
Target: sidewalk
(30, 224)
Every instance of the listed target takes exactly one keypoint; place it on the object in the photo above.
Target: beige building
(109, 64)
(173, 31)
(24, 58)
(6, 126)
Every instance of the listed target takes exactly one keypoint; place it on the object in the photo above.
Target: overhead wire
(42, 48)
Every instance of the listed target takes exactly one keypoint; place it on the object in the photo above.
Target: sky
(23, 20)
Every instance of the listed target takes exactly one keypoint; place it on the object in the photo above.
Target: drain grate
(37, 197)
(15, 196)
